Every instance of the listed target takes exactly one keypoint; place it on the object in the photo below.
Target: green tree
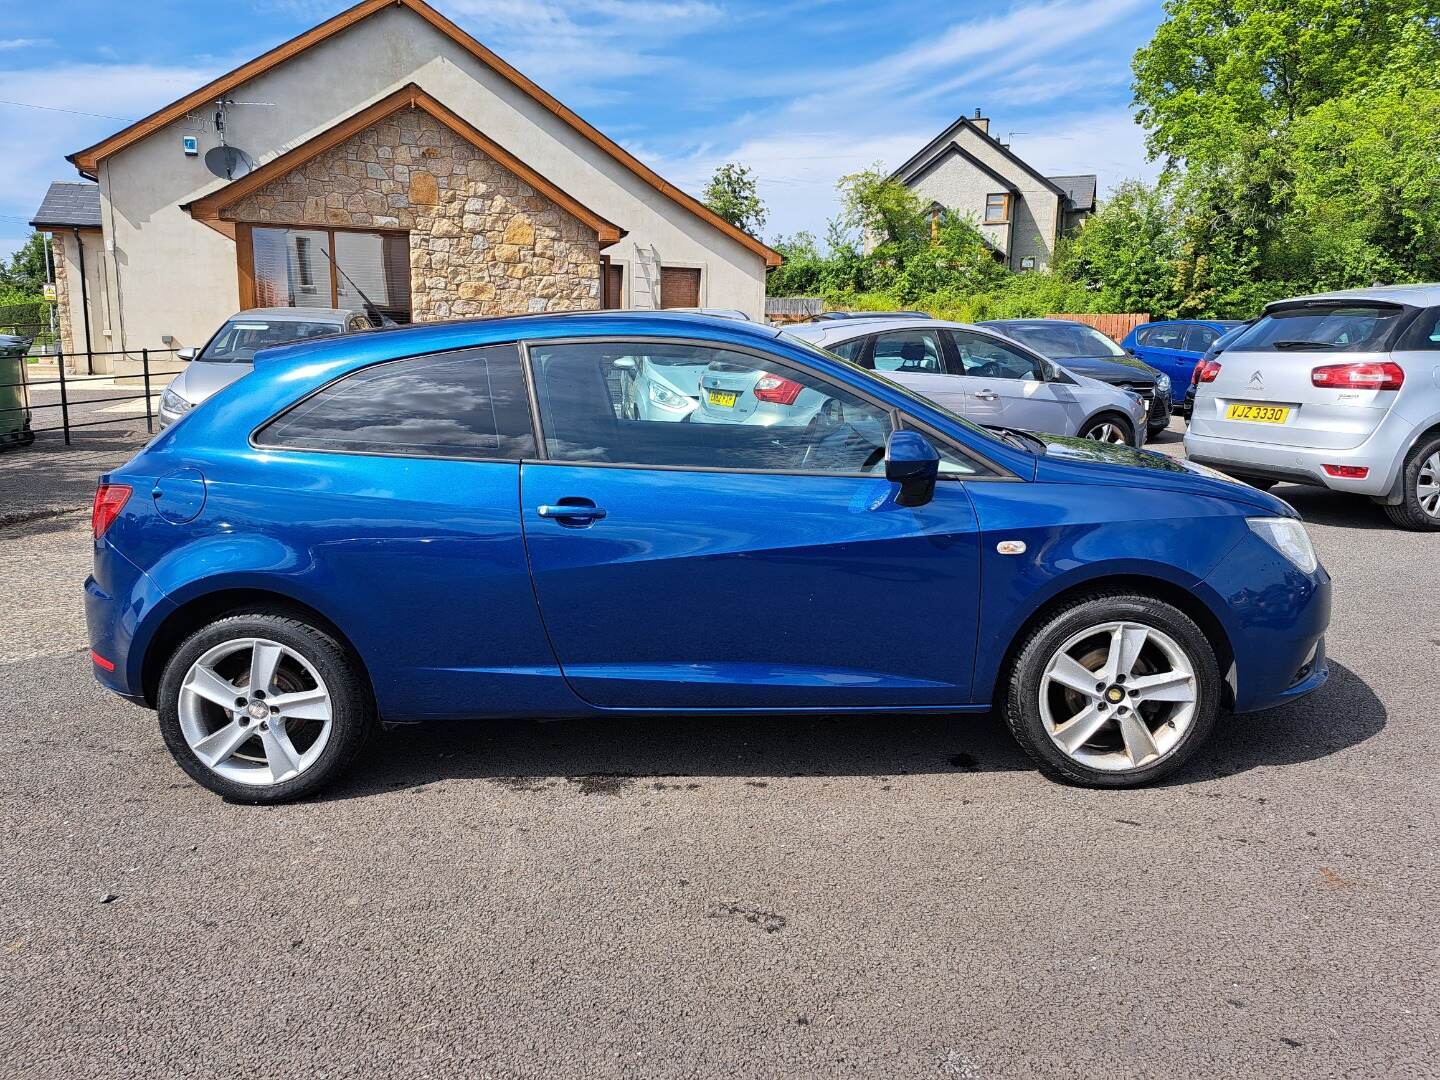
(733, 195)
(24, 275)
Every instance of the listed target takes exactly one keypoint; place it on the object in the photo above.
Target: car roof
(845, 329)
(297, 314)
(400, 341)
(1425, 295)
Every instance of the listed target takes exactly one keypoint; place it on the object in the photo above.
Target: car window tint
(702, 407)
(1333, 327)
(469, 404)
(850, 350)
(1425, 333)
(907, 351)
(1200, 338)
(986, 358)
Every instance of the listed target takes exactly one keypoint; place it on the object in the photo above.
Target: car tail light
(1347, 472)
(1386, 376)
(1205, 371)
(109, 501)
(777, 390)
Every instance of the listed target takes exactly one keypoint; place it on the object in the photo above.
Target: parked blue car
(462, 521)
(1176, 346)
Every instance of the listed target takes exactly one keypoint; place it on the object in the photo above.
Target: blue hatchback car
(466, 520)
(1176, 346)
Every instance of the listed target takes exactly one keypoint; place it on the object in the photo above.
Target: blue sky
(802, 91)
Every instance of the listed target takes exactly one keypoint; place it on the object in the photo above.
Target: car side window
(1165, 337)
(1424, 333)
(1200, 338)
(468, 404)
(908, 351)
(986, 358)
(1142, 335)
(739, 410)
(849, 350)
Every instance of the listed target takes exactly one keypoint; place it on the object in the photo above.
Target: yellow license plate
(724, 398)
(1258, 414)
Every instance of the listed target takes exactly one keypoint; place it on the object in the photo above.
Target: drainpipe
(85, 304)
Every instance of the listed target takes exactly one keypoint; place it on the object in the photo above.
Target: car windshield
(240, 339)
(1063, 342)
(1332, 327)
(811, 347)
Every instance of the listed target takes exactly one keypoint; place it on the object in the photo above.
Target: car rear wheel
(1113, 691)
(1109, 428)
(1419, 508)
(260, 707)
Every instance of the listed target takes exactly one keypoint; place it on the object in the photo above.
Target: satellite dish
(228, 162)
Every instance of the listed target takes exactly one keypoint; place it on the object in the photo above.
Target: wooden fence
(1113, 326)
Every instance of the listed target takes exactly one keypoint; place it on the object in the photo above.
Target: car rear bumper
(1381, 454)
(121, 603)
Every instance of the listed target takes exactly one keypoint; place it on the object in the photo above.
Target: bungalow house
(1021, 213)
(382, 156)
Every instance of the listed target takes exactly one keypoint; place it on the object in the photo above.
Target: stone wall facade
(482, 241)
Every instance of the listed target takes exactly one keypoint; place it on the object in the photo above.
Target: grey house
(1020, 212)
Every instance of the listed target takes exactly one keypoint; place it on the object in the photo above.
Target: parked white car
(984, 376)
(1340, 390)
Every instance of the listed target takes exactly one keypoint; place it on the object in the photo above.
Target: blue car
(1176, 346)
(461, 521)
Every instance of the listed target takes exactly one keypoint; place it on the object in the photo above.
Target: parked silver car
(1340, 390)
(984, 376)
(229, 353)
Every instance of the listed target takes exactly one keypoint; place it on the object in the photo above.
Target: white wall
(176, 276)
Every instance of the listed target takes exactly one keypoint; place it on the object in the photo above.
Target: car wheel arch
(1108, 412)
(1187, 600)
(203, 608)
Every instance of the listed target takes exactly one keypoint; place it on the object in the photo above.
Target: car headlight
(1162, 384)
(173, 406)
(667, 398)
(1287, 536)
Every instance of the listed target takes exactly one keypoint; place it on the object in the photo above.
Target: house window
(997, 209)
(323, 268)
(679, 287)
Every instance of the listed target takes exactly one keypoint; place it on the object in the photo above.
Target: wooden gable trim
(88, 160)
(210, 207)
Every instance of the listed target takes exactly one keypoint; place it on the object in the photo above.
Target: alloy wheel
(1118, 696)
(1427, 485)
(255, 711)
(1108, 432)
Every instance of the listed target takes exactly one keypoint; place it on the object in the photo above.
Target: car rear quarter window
(469, 404)
(917, 352)
(1424, 335)
(849, 350)
(1200, 338)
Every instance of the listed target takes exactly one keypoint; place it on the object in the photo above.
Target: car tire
(1037, 695)
(1106, 427)
(1260, 483)
(1419, 506)
(312, 718)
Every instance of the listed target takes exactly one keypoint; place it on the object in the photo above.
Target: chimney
(981, 122)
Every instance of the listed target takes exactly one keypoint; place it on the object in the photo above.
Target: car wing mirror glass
(912, 462)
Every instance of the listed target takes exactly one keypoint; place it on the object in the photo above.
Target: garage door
(679, 287)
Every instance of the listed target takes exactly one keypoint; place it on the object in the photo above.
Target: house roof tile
(70, 204)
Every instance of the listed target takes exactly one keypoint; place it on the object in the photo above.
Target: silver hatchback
(1340, 390)
(984, 376)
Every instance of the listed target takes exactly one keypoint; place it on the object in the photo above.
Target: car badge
(1257, 381)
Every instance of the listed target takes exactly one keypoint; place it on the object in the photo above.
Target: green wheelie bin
(14, 393)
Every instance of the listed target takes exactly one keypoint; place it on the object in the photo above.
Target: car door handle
(986, 395)
(568, 513)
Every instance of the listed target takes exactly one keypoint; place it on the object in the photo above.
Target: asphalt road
(675, 898)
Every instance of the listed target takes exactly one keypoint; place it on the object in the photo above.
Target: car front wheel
(1113, 691)
(1109, 429)
(261, 707)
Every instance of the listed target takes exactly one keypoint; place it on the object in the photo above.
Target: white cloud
(1109, 144)
(7, 44)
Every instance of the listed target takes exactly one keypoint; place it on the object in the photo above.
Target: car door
(1007, 386)
(1198, 339)
(916, 360)
(742, 565)
(1161, 346)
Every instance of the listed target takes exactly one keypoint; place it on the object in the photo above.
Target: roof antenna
(229, 162)
(376, 315)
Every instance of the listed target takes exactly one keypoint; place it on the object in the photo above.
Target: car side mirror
(913, 463)
(188, 353)
(624, 363)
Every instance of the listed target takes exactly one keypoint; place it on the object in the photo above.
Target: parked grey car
(984, 376)
(1340, 390)
(229, 353)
